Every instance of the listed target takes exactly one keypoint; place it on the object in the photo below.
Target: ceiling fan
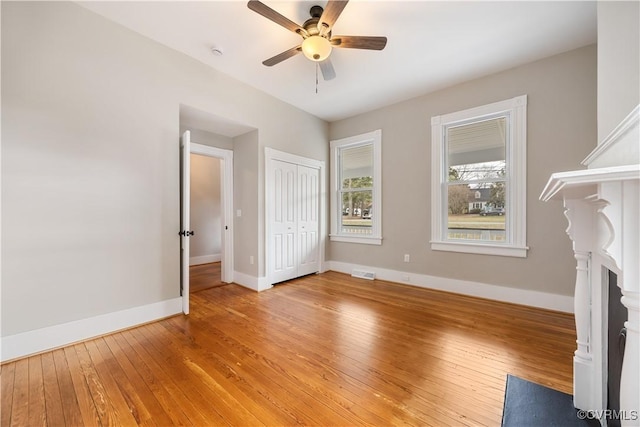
(316, 34)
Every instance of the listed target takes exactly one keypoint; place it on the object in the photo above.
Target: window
(355, 189)
(478, 179)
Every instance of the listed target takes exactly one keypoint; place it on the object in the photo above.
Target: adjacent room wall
(90, 163)
(561, 132)
(206, 210)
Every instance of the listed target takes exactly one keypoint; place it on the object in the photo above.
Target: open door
(185, 233)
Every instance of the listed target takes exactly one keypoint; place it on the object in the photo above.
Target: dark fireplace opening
(617, 334)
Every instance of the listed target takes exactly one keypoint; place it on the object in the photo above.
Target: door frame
(226, 193)
(270, 155)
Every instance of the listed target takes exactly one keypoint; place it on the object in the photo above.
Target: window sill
(360, 239)
(479, 248)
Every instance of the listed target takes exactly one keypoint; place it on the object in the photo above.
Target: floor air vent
(369, 275)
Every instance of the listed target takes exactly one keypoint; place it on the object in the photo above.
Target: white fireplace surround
(602, 206)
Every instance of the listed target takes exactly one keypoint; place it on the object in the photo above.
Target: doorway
(205, 246)
(187, 233)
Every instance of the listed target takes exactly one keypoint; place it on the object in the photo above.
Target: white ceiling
(431, 45)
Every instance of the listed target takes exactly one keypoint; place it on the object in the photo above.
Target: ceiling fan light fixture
(316, 48)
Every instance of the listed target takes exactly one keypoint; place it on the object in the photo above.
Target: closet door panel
(308, 224)
(284, 223)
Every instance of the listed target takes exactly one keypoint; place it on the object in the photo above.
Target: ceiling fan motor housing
(316, 11)
(311, 24)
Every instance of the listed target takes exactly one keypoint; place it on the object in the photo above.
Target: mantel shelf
(581, 183)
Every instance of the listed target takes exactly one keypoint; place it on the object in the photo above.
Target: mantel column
(580, 215)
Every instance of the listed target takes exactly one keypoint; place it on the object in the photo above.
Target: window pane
(476, 151)
(357, 166)
(357, 212)
(478, 213)
(477, 171)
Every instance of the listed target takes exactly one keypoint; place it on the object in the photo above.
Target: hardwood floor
(205, 276)
(321, 350)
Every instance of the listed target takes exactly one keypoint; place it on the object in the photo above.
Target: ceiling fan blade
(282, 56)
(328, 72)
(359, 42)
(271, 14)
(331, 13)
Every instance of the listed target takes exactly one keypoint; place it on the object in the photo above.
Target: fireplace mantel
(602, 206)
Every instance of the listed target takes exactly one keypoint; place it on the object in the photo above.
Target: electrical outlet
(251, 260)
(406, 278)
(407, 258)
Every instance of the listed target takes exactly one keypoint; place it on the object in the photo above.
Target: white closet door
(284, 222)
(308, 224)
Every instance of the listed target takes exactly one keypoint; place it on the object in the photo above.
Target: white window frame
(375, 139)
(516, 151)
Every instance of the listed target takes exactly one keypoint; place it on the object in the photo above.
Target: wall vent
(369, 275)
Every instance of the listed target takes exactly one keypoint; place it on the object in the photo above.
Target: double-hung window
(479, 180)
(356, 197)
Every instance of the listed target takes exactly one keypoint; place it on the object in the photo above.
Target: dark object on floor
(530, 404)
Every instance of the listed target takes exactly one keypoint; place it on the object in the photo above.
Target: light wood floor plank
(88, 409)
(320, 350)
(99, 391)
(254, 380)
(55, 414)
(160, 413)
(202, 398)
(68, 397)
(7, 376)
(300, 367)
(20, 403)
(135, 395)
(37, 408)
(120, 409)
(160, 378)
(223, 368)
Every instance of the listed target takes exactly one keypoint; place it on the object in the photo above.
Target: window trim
(516, 151)
(374, 138)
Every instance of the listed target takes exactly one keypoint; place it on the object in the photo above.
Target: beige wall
(90, 162)
(561, 132)
(206, 207)
(618, 78)
(618, 62)
(245, 199)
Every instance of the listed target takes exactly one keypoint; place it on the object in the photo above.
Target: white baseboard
(39, 340)
(205, 259)
(498, 293)
(257, 284)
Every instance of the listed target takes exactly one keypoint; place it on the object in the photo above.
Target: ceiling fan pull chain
(317, 66)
